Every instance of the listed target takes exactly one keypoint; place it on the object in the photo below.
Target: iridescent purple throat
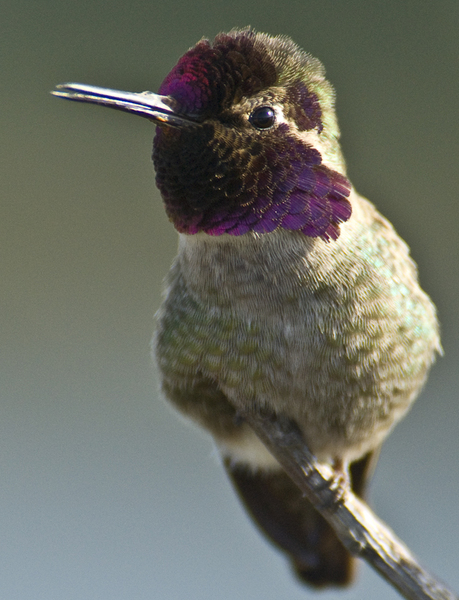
(253, 186)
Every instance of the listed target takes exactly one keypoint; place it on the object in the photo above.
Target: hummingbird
(290, 292)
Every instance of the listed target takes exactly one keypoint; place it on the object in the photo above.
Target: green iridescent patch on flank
(192, 339)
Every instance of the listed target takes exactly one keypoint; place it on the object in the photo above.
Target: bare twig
(362, 533)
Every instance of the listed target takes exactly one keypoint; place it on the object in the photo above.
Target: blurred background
(105, 494)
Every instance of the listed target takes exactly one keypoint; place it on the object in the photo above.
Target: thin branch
(361, 532)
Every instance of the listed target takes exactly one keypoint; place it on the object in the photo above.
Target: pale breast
(337, 336)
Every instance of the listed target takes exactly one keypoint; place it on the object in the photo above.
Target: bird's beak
(159, 109)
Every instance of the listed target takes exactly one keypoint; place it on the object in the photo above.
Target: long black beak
(159, 109)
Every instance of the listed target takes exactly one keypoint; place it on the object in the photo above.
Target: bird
(290, 293)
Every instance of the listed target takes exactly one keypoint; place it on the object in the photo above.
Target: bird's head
(247, 139)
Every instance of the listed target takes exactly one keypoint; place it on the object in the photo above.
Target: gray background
(104, 493)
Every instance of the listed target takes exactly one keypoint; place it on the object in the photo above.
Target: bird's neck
(252, 272)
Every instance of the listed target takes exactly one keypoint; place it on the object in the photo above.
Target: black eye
(263, 117)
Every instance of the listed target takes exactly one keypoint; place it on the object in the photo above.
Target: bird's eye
(263, 117)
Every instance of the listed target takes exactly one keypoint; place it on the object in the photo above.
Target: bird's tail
(292, 523)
